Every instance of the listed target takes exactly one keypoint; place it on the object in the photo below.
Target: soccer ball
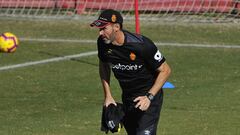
(8, 42)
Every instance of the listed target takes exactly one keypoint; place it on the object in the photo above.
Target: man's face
(107, 34)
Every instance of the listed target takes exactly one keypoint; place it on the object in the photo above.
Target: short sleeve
(101, 50)
(153, 58)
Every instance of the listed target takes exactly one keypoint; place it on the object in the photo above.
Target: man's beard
(107, 41)
(110, 40)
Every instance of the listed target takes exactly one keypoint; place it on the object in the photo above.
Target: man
(140, 69)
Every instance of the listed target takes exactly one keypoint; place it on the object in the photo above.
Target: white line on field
(198, 45)
(48, 60)
(157, 43)
(58, 40)
(95, 52)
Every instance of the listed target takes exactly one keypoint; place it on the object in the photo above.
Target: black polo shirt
(134, 63)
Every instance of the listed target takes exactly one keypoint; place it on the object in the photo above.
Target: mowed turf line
(206, 98)
(65, 98)
(36, 51)
(190, 33)
(37, 100)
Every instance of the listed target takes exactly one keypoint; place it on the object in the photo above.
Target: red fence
(144, 5)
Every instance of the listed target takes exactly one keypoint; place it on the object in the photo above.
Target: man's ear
(116, 27)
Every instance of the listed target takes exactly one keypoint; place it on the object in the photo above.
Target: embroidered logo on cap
(101, 18)
(114, 18)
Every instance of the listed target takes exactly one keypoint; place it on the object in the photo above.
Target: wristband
(150, 96)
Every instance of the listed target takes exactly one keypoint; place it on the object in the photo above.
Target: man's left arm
(164, 72)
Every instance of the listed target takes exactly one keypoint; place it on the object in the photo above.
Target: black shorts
(137, 122)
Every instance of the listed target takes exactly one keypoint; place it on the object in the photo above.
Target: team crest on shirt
(132, 56)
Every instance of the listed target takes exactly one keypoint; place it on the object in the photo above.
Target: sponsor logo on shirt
(128, 67)
(109, 51)
(158, 56)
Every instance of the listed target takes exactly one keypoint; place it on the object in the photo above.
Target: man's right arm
(105, 73)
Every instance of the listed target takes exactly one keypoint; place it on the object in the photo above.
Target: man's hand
(142, 103)
(109, 100)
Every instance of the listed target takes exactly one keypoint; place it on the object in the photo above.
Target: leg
(130, 123)
(137, 122)
(149, 121)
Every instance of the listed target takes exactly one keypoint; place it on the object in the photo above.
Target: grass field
(65, 97)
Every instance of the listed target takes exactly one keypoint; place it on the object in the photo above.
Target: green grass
(65, 97)
(174, 33)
